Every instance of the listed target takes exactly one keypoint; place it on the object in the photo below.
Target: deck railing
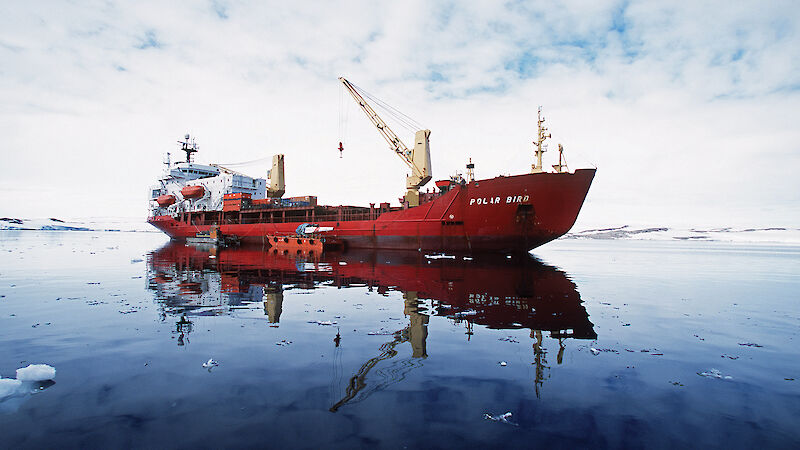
(252, 218)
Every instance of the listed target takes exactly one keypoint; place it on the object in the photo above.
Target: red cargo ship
(507, 214)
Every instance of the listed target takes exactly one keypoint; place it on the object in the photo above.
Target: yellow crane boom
(418, 158)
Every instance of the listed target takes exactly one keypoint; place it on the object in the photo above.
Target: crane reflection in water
(489, 291)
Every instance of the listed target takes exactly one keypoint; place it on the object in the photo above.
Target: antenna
(188, 147)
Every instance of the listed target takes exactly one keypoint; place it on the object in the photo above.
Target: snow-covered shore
(721, 234)
(121, 224)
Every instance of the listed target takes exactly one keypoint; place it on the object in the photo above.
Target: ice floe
(36, 372)
(29, 380)
(8, 387)
(440, 256)
(210, 364)
(323, 322)
(502, 418)
(714, 373)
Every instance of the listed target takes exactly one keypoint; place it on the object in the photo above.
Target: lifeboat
(441, 184)
(193, 191)
(165, 200)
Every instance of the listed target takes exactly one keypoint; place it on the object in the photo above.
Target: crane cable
(344, 112)
(247, 163)
(403, 120)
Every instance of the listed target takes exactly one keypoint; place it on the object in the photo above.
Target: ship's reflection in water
(494, 292)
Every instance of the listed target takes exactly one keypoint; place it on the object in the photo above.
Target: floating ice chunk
(380, 333)
(714, 373)
(9, 387)
(323, 322)
(210, 364)
(504, 418)
(440, 256)
(594, 351)
(29, 380)
(36, 372)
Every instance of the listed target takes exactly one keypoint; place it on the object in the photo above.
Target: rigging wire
(404, 120)
(247, 163)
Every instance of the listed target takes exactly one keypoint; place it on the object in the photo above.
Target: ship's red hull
(503, 214)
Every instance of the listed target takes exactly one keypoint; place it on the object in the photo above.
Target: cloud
(686, 109)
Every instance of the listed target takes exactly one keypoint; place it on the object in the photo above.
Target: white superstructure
(215, 181)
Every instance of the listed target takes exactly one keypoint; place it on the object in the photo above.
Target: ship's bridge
(193, 171)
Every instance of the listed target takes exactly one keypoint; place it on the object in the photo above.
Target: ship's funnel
(277, 186)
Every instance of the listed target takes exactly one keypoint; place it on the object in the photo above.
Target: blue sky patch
(220, 9)
(149, 41)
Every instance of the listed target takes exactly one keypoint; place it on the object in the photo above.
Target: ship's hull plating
(503, 214)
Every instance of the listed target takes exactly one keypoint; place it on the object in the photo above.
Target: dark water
(604, 345)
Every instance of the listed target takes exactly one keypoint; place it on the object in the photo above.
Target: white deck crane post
(418, 159)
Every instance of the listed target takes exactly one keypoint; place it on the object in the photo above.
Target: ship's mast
(470, 171)
(539, 142)
(189, 147)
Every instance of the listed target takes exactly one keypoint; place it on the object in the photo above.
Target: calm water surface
(590, 344)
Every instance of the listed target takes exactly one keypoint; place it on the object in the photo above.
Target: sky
(688, 110)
